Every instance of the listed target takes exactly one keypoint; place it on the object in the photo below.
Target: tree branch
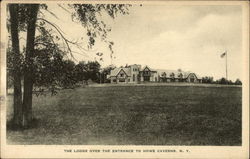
(64, 8)
(65, 40)
(51, 38)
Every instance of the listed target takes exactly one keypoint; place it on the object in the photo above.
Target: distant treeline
(52, 73)
(223, 80)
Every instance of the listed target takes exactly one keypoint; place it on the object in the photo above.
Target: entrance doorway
(146, 78)
(192, 79)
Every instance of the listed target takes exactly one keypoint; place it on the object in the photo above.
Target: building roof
(176, 73)
(115, 71)
(160, 72)
(152, 70)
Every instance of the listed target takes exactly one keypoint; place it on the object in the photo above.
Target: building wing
(176, 73)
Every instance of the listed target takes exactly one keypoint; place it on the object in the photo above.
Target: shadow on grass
(12, 126)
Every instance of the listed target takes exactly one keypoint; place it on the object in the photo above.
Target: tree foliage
(238, 82)
(81, 72)
(226, 81)
(89, 15)
(43, 64)
(105, 72)
(88, 71)
(207, 79)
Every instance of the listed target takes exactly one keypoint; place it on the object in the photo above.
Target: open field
(135, 115)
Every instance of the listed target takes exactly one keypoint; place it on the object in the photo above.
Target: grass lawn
(135, 115)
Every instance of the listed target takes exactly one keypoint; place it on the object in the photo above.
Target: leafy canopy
(51, 45)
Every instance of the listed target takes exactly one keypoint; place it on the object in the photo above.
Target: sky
(186, 37)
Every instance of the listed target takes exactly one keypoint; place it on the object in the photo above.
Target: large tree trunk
(29, 63)
(18, 113)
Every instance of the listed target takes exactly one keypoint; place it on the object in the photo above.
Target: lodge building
(135, 74)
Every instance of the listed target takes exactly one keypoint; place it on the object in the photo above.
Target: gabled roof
(197, 76)
(122, 70)
(148, 68)
(116, 71)
(145, 68)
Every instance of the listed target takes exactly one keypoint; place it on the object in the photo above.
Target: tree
(87, 14)
(29, 63)
(230, 82)
(207, 79)
(238, 82)
(48, 62)
(106, 71)
(93, 71)
(68, 79)
(85, 71)
(81, 72)
(18, 112)
(222, 81)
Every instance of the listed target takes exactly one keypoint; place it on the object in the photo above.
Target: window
(121, 74)
(164, 74)
(134, 69)
(133, 77)
(192, 79)
(122, 80)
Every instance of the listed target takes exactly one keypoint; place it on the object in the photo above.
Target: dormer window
(164, 74)
(172, 75)
(180, 75)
